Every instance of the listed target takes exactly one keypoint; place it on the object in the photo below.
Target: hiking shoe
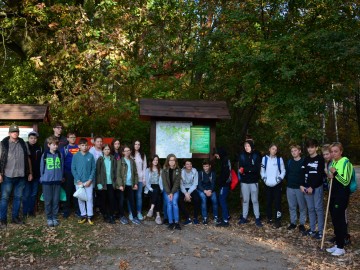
(217, 220)
(310, 233)
(177, 226)
(347, 240)
(90, 221)
(332, 249)
(258, 222)
(223, 224)
(50, 223)
(3, 224)
(171, 226)
(136, 221)
(82, 220)
(277, 224)
(112, 220)
(158, 220)
(205, 221)
(166, 221)
(150, 213)
(55, 222)
(338, 252)
(17, 220)
(302, 228)
(318, 235)
(242, 221)
(140, 216)
(291, 226)
(187, 222)
(66, 214)
(269, 221)
(131, 217)
(196, 221)
(124, 220)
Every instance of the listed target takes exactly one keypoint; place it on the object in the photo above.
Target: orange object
(234, 180)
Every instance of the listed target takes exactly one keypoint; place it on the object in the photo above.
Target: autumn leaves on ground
(150, 246)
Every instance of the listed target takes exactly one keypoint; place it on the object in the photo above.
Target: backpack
(45, 155)
(353, 180)
(278, 163)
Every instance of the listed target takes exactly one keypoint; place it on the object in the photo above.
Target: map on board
(173, 138)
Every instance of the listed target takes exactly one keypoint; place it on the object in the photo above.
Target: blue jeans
(203, 204)
(172, 207)
(138, 199)
(224, 192)
(8, 184)
(165, 206)
(29, 196)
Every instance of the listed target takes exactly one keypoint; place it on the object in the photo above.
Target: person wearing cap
(15, 170)
(31, 187)
(63, 141)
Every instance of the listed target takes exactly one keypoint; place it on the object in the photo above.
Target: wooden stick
(326, 215)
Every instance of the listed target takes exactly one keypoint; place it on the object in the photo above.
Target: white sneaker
(338, 252)
(131, 218)
(332, 249)
(150, 213)
(158, 220)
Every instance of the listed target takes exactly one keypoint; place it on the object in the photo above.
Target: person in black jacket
(31, 187)
(249, 168)
(224, 184)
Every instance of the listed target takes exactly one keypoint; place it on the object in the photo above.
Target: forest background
(288, 70)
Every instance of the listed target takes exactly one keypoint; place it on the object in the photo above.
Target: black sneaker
(347, 240)
(171, 226)
(3, 224)
(277, 224)
(166, 222)
(223, 224)
(177, 226)
(205, 221)
(17, 221)
(269, 221)
(302, 228)
(291, 226)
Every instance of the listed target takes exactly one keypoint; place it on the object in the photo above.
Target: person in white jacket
(272, 173)
(155, 187)
(188, 186)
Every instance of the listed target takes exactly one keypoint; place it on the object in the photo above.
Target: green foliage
(278, 64)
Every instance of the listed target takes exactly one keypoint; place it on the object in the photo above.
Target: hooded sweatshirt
(251, 162)
(271, 174)
(51, 168)
(188, 180)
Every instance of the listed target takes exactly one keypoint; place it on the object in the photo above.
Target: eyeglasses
(72, 137)
(58, 127)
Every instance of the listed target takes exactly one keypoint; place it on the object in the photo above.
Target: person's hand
(302, 189)
(1, 178)
(241, 170)
(170, 196)
(30, 177)
(187, 197)
(309, 190)
(332, 170)
(79, 183)
(135, 187)
(121, 188)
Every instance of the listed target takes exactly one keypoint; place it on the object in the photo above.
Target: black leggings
(337, 207)
(107, 198)
(195, 198)
(155, 197)
(273, 194)
(128, 193)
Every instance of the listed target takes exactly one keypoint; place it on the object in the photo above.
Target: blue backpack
(278, 163)
(353, 180)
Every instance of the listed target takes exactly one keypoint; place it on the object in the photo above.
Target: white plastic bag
(80, 193)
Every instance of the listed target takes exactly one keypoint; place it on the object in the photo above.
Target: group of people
(115, 176)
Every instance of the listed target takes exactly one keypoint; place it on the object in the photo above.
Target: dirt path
(195, 247)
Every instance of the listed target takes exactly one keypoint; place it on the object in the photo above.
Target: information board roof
(21, 112)
(183, 109)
